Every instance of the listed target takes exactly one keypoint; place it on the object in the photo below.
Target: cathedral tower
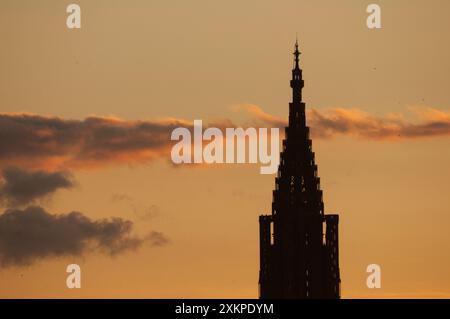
(299, 253)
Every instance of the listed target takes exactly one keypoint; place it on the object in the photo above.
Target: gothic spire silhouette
(296, 55)
(299, 256)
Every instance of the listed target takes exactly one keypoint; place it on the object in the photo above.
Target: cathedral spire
(297, 80)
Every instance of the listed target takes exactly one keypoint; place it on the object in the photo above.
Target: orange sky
(153, 60)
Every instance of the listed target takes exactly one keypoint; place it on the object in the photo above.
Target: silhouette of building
(299, 252)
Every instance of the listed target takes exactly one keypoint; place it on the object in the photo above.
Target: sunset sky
(86, 115)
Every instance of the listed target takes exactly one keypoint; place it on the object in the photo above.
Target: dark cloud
(32, 234)
(22, 186)
(49, 142)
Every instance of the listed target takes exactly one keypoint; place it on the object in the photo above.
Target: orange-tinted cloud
(428, 122)
(36, 141)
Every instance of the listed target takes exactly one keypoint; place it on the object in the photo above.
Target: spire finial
(296, 53)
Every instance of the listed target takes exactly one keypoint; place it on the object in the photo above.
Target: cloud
(142, 212)
(428, 122)
(21, 186)
(258, 116)
(157, 239)
(54, 143)
(32, 234)
(51, 142)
